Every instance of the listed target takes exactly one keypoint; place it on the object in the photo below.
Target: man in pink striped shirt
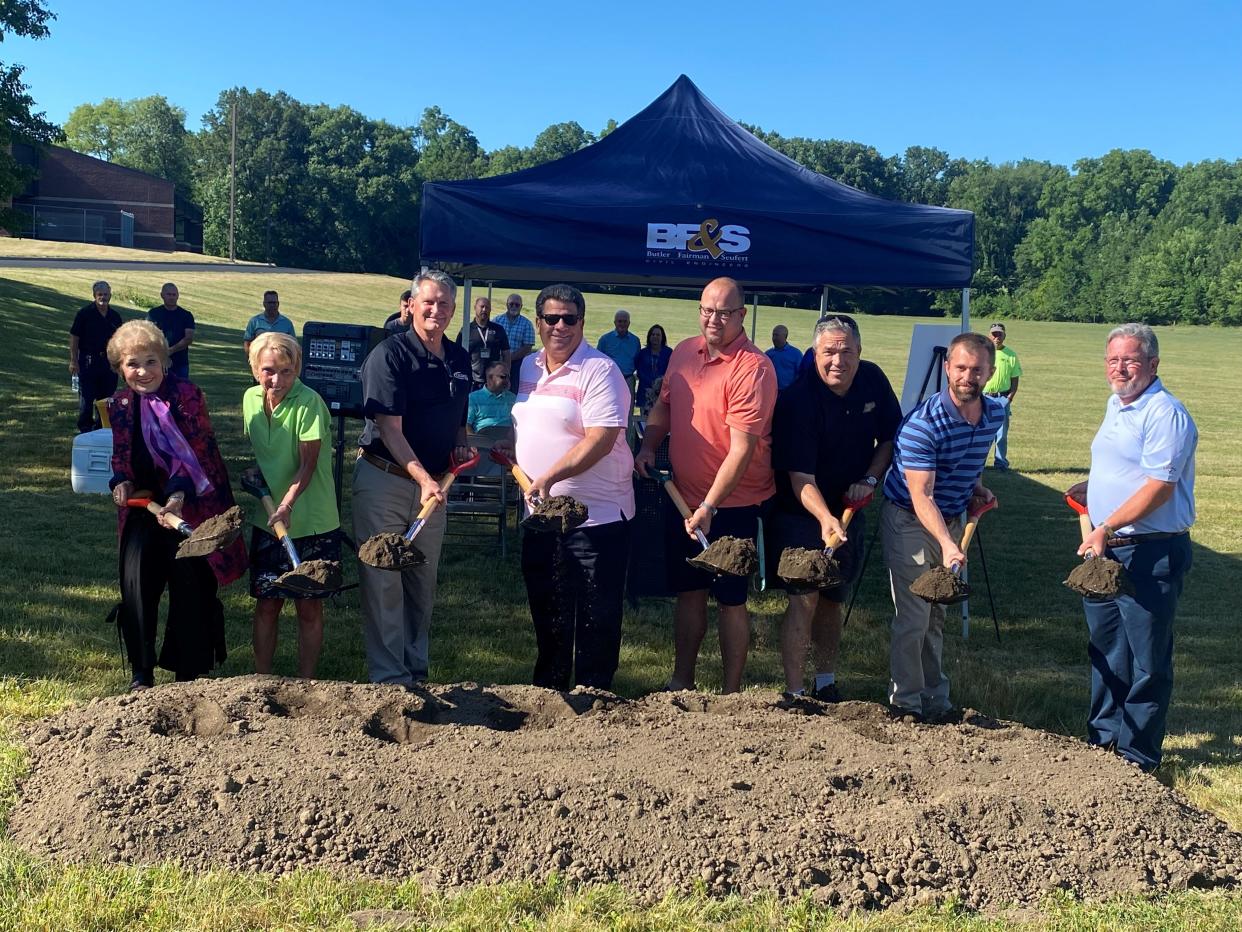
(570, 418)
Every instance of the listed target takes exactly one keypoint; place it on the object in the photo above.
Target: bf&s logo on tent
(705, 243)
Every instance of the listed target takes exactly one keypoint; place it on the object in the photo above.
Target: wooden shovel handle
(279, 527)
(1084, 526)
(520, 477)
(445, 481)
(971, 523)
(680, 502)
(846, 517)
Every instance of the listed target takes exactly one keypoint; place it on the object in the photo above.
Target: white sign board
(924, 372)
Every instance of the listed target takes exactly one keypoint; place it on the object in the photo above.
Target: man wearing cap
(938, 457)
(717, 400)
(832, 440)
(621, 346)
(521, 336)
(1003, 386)
(1140, 495)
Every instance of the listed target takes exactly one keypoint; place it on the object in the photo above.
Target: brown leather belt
(1131, 539)
(380, 463)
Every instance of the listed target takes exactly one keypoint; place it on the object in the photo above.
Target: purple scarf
(167, 445)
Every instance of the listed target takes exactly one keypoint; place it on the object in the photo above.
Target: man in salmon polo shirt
(716, 406)
(570, 420)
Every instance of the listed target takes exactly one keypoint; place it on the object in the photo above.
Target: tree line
(1123, 236)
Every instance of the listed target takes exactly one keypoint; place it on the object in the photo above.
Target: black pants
(575, 585)
(93, 383)
(194, 634)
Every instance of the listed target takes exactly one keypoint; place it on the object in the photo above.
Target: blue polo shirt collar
(1150, 392)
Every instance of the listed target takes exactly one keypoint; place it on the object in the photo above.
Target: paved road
(132, 265)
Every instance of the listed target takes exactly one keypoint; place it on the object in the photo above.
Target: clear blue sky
(1047, 80)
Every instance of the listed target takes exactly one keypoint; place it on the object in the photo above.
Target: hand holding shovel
(214, 534)
(309, 576)
(729, 555)
(391, 551)
(945, 586)
(799, 565)
(1098, 576)
(559, 514)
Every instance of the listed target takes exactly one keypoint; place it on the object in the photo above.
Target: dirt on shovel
(809, 567)
(1097, 578)
(312, 576)
(733, 556)
(389, 551)
(559, 514)
(214, 534)
(940, 585)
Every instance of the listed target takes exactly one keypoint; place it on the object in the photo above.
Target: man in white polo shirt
(570, 420)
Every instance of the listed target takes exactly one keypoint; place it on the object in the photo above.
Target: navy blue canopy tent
(679, 194)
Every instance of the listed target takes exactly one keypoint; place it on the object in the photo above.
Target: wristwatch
(871, 481)
(711, 509)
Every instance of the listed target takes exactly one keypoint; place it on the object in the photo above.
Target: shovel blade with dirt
(942, 585)
(558, 514)
(803, 566)
(389, 550)
(731, 556)
(311, 577)
(210, 536)
(1097, 576)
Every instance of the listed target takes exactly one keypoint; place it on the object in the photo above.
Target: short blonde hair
(135, 337)
(284, 346)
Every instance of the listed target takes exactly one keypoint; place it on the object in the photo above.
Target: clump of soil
(735, 556)
(940, 584)
(809, 567)
(1096, 578)
(559, 514)
(457, 785)
(390, 551)
(312, 575)
(216, 533)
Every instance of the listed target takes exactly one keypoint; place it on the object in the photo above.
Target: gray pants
(396, 606)
(918, 683)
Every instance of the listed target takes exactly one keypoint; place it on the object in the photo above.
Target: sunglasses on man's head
(571, 320)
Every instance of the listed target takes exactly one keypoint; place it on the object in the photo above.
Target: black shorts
(783, 529)
(742, 521)
(268, 562)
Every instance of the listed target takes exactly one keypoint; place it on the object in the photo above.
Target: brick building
(80, 198)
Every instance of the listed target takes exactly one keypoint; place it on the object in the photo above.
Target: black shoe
(829, 693)
(949, 716)
(906, 716)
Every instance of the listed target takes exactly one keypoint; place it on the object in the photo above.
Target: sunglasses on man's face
(571, 320)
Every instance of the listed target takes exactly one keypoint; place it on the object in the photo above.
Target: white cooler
(92, 461)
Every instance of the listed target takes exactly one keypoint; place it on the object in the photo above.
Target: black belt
(1131, 539)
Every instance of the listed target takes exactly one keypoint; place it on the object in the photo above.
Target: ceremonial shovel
(540, 519)
(1098, 576)
(709, 560)
(307, 576)
(831, 569)
(927, 586)
(195, 543)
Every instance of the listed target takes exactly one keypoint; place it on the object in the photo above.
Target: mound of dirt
(213, 534)
(459, 785)
(808, 567)
(389, 550)
(735, 556)
(1097, 578)
(559, 514)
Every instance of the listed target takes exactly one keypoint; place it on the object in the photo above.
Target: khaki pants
(396, 606)
(918, 683)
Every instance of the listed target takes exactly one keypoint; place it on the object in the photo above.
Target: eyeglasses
(721, 314)
(571, 320)
(513, 304)
(1122, 362)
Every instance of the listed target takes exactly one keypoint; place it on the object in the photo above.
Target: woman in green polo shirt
(290, 430)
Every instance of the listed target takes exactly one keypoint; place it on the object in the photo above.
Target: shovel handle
(282, 532)
(971, 523)
(445, 481)
(520, 477)
(154, 508)
(835, 540)
(683, 509)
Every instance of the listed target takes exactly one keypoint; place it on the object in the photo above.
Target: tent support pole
(965, 329)
(754, 315)
(823, 301)
(466, 311)
(965, 310)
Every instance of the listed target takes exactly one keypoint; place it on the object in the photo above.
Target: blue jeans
(1002, 437)
(1131, 650)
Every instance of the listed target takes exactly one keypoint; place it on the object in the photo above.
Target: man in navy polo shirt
(177, 325)
(832, 438)
(786, 359)
(1140, 495)
(415, 387)
(938, 458)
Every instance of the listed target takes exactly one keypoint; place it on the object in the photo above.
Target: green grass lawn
(57, 551)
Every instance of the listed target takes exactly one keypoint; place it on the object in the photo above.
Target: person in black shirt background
(88, 357)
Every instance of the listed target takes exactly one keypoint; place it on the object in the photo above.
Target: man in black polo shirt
(399, 320)
(486, 340)
(832, 438)
(88, 359)
(177, 325)
(415, 386)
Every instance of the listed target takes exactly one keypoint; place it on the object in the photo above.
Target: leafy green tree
(560, 140)
(927, 174)
(18, 120)
(851, 163)
(147, 133)
(447, 150)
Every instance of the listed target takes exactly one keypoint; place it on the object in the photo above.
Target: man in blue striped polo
(938, 458)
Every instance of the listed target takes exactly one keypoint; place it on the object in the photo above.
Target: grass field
(58, 555)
